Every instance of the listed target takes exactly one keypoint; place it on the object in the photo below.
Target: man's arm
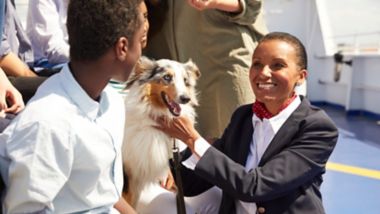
(14, 66)
(32, 150)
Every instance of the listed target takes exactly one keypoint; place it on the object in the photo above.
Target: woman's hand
(179, 127)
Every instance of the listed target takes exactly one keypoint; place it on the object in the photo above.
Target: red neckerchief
(262, 112)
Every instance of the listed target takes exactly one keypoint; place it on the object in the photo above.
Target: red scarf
(262, 112)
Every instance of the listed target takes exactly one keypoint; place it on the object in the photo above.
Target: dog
(155, 89)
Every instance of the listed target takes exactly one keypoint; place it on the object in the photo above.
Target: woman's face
(274, 72)
(144, 11)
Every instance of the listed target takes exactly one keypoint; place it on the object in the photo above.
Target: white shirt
(46, 28)
(63, 150)
(264, 131)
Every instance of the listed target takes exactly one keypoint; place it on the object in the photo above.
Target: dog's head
(167, 83)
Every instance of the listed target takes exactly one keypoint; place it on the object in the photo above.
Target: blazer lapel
(286, 132)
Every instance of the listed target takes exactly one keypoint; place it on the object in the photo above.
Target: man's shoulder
(48, 107)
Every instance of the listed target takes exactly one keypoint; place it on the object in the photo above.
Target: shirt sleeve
(200, 147)
(46, 30)
(5, 48)
(251, 9)
(40, 159)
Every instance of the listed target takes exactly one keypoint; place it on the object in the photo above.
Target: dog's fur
(146, 150)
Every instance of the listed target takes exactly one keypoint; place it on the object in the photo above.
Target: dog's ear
(192, 67)
(142, 65)
(146, 63)
(134, 75)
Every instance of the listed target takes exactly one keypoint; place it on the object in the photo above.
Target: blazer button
(261, 210)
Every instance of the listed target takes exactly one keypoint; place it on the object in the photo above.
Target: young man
(62, 153)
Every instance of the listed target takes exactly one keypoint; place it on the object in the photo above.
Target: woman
(271, 157)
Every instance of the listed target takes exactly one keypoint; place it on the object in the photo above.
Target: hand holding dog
(223, 5)
(179, 127)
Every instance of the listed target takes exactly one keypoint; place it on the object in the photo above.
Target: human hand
(9, 94)
(169, 183)
(223, 5)
(202, 4)
(179, 127)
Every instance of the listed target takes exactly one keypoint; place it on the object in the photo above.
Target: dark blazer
(289, 174)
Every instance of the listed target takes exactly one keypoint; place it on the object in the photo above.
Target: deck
(352, 181)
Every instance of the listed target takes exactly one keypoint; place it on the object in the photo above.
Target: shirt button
(261, 210)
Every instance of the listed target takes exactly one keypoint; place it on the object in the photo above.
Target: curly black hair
(293, 41)
(94, 26)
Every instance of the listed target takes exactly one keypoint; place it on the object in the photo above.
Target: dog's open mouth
(173, 107)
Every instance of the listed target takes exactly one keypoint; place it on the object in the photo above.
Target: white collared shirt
(63, 150)
(264, 131)
(46, 29)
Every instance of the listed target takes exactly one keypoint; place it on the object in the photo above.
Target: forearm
(13, 66)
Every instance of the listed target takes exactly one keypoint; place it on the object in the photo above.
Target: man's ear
(121, 48)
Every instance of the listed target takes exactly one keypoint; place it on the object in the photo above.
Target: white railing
(358, 43)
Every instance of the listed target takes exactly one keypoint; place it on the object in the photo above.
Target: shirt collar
(82, 100)
(279, 119)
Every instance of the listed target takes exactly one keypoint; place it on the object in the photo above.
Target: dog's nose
(184, 99)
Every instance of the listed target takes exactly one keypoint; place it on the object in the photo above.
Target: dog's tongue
(174, 108)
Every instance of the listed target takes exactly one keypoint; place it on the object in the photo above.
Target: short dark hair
(94, 26)
(293, 41)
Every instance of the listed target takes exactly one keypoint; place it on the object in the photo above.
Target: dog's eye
(187, 82)
(167, 77)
